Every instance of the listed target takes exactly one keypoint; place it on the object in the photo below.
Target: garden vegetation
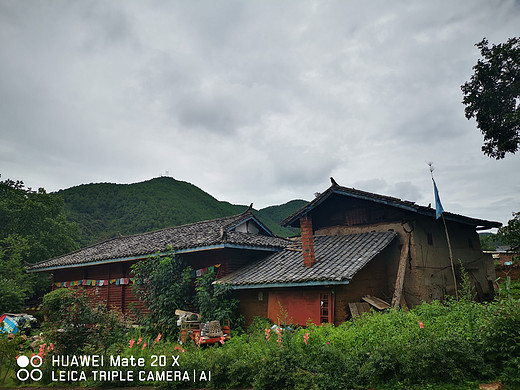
(456, 344)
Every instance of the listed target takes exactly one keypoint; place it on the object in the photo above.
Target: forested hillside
(104, 210)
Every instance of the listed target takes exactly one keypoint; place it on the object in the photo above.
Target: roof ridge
(379, 198)
(239, 216)
(179, 226)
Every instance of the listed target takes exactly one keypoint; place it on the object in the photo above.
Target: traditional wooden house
(227, 244)
(357, 246)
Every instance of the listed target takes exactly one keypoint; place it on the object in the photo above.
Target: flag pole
(440, 213)
(451, 259)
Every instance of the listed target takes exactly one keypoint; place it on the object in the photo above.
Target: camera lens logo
(23, 374)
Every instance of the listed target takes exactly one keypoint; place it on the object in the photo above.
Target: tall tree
(32, 228)
(492, 96)
(511, 232)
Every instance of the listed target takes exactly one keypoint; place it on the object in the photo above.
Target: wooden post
(399, 281)
(451, 258)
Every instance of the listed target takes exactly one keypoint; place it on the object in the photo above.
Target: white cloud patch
(257, 101)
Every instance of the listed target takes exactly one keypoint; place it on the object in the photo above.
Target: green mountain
(105, 210)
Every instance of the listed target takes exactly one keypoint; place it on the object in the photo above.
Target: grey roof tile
(199, 234)
(338, 258)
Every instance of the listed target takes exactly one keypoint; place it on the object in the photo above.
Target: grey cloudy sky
(253, 101)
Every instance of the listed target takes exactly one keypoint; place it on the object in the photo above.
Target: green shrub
(55, 302)
(258, 326)
(9, 349)
(449, 359)
(75, 325)
(276, 371)
(214, 301)
(163, 285)
(453, 345)
(501, 339)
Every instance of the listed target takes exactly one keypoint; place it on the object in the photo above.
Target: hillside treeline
(105, 210)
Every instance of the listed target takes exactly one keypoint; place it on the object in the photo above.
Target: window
(324, 308)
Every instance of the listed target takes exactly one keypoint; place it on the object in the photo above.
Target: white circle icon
(36, 357)
(22, 374)
(23, 361)
(36, 375)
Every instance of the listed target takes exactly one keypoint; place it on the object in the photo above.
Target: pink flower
(421, 325)
(131, 343)
(305, 338)
(178, 348)
(52, 346)
(139, 341)
(328, 343)
(267, 333)
(144, 345)
(222, 339)
(279, 341)
(157, 339)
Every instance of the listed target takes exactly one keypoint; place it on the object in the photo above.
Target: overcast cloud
(253, 101)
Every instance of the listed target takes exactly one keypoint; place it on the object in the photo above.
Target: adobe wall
(434, 266)
(372, 280)
(429, 274)
(253, 303)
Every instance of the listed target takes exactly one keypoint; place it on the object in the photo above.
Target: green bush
(501, 340)
(75, 325)
(449, 359)
(453, 345)
(276, 371)
(214, 302)
(163, 285)
(258, 326)
(9, 349)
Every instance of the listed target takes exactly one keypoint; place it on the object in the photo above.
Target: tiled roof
(185, 237)
(293, 220)
(338, 258)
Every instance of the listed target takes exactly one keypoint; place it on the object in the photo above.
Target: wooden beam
(354, 312)
(376, 302)
(401, 270)
(358, 308)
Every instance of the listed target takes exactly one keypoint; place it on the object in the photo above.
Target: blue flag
(438, 206)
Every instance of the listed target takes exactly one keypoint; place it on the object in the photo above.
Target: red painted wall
(302, 306)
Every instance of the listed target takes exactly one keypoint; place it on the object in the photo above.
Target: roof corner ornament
(334, 184)
(223, 234)
(250, 207)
